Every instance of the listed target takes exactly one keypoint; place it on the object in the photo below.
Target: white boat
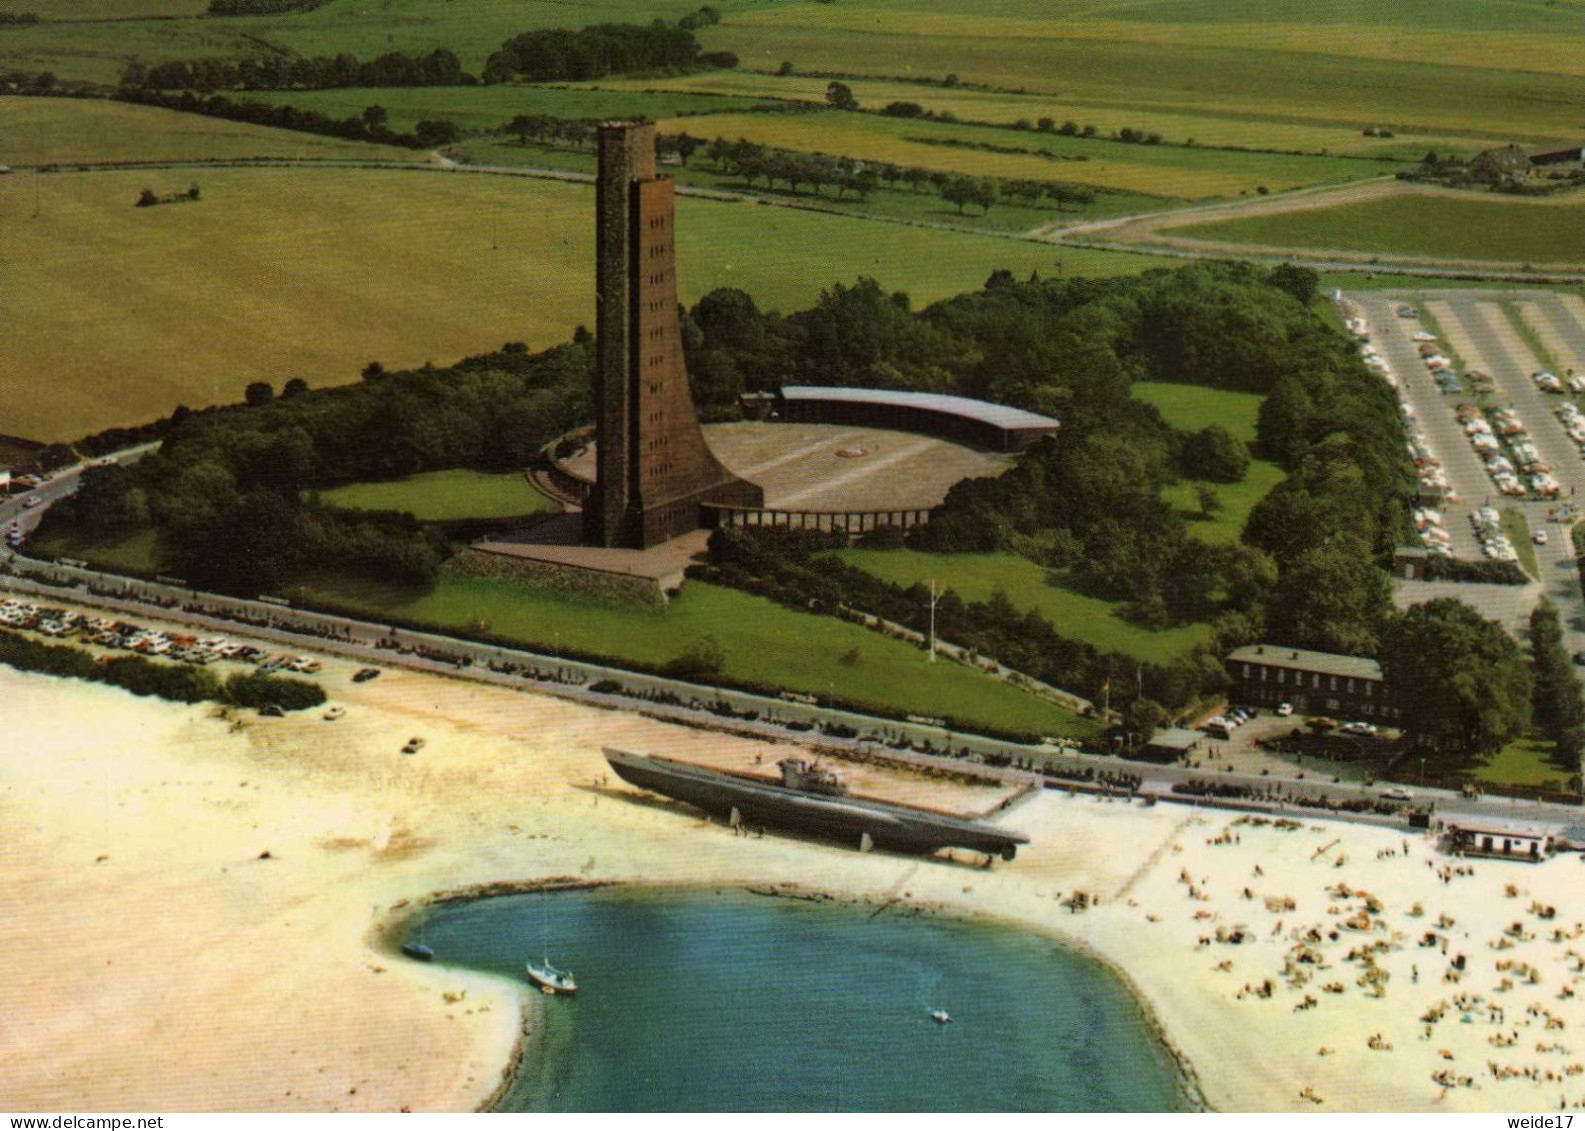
(550, 979)
(940, 1016)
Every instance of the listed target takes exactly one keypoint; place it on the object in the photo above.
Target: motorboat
(940, 1017)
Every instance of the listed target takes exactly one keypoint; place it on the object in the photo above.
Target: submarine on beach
(811, 800)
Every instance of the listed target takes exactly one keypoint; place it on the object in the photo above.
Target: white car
(1540, 538)
(1284, 709)
(31, 501)
(1365, 730)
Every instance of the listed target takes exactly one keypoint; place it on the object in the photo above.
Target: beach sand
(152, 956)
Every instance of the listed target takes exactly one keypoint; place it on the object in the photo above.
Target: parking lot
(1501, 334)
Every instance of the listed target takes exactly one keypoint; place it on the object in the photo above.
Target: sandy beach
(191, 910)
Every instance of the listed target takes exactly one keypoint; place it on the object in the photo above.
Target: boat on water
(940, 1017)
(418, 950)
(813, 800)
(549, 979)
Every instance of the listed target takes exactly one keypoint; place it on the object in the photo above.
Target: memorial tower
(654, 470)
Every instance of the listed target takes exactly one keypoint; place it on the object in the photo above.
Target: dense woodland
(562, 55)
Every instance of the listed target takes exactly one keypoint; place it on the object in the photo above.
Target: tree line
(439, 67)
(181, 683)
(371, 125)
(262, 7)
(563, 55)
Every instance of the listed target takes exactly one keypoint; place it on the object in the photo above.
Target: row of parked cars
(1494, 543)
(1549, 382)
(107, 632)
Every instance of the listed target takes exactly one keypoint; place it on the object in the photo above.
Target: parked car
(1284, 709)
(1364, 730)
(363, 675)
(1322, 723)
(1397, 793)
(1540, 538)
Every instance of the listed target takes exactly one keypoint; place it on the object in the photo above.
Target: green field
(1195, 407)
(1030, 587)
(1476, 227)
(763, 642)
(1159, 170)
(442, 496)
(69, 131)
(104, 9)
(915, 206)
(1462, 67)
(133, 554)
(1237, 500)
(1005, 108)
(1528, 761)
(491, 107)
(312, 273)
(1191, 408)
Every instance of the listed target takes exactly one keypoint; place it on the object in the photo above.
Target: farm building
(998, 427)
(1495, 166)
(1572, 156)
(1313, 682)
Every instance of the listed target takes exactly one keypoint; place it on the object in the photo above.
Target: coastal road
(302, 629)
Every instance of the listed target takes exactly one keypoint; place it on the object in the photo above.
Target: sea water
(729, 1001)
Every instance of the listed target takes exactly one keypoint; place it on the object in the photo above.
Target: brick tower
(654, 469)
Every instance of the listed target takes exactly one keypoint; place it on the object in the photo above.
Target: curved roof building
(998, 427)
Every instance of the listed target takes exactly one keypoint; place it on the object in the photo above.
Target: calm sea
(701, 1001)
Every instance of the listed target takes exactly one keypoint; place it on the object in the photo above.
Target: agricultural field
(763, 642)
(104, 9)
(1006, 108)
(1443, 227)
(491, 107)
(281, 273)
(1167, 171)
(1468, 68)
(62, 131)
(1030, 587)
(444, 496)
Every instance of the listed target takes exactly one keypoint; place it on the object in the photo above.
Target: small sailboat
(549, 979)
(940, 1017)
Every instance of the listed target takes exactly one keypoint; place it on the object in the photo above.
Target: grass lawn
(1517, 528)
(1474, 227)
(1194, 407)
(1028, 586)
(763, 642)
(71, 131)
(440, 496)
(312, 273)
(1525, 761)
(133, 554)
(1237, 500)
